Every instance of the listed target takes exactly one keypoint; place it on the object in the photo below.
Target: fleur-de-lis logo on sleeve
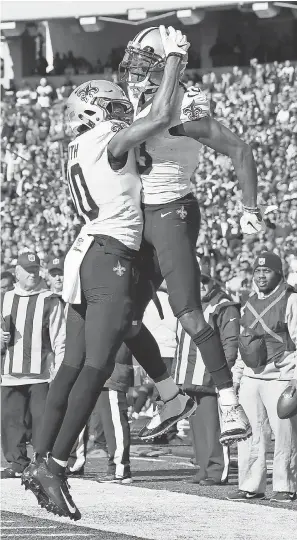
(193, 111)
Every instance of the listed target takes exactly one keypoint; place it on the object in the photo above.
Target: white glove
(251, 222)
(173, 41)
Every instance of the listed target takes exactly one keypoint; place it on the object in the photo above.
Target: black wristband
(254, 210)
(177, 54)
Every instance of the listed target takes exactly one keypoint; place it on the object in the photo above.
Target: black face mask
(116, 109)
(140, 63)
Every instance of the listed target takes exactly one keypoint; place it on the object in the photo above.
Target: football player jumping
(100, 272)
(167, 161)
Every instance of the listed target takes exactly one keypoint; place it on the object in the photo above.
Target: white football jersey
(166, 163)
(108, 201)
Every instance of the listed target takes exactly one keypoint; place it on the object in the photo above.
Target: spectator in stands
(41, 65)
(35, 321)
(66, 89)
(44, 93)
(58, 64)
(24, 94)
(55, 270)
(98, 68)
(69, 62)
(292, 271)
(268, 361)
(83, 66)
(7, 282)
(240, 99)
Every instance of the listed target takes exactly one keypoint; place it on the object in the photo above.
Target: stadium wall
(66, 35)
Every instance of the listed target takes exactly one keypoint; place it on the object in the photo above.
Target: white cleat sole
(228, 439)
(187, 414)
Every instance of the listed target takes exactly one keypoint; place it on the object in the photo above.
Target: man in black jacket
(223, 314)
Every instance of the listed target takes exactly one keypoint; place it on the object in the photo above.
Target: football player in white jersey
(167, 161)
(100, 271)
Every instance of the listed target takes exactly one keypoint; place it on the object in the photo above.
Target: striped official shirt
(36, 324)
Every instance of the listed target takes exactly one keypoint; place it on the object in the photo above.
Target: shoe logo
(232, 319)
(119, 269)
(182, 212)
(250, 495)
(71, 509)
(167, 213)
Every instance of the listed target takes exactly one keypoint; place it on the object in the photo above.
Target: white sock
(167, 389)
(228, 396)
(60, 462)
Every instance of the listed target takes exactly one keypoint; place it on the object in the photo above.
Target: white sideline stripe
(118, 431)
(159, 514)
(7, 521)
(35, 527)
(186, 464)
(52, 535)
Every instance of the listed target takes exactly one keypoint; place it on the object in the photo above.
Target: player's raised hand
(251, 221)
(173, 41)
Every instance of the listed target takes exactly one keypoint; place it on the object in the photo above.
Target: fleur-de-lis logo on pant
(119, 269)
(182, 212)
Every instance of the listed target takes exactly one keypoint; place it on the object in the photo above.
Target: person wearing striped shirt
(222, 313)
(34, 318)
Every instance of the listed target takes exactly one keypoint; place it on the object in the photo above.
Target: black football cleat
(52, 491)
(30, 481)
(167, 414)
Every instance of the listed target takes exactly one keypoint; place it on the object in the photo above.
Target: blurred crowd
(36, 212)
(261, 107)
(259, 104)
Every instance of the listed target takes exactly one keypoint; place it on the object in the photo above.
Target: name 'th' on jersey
(107, 200)
(166, 163)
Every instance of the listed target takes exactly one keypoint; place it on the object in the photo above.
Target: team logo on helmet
(31, 258)
(193, 111)
(88, 92)
(261, 261)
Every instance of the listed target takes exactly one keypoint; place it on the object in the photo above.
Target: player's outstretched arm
(162, 108)
(215, 135)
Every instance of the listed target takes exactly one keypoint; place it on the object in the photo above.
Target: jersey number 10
(83, 202)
